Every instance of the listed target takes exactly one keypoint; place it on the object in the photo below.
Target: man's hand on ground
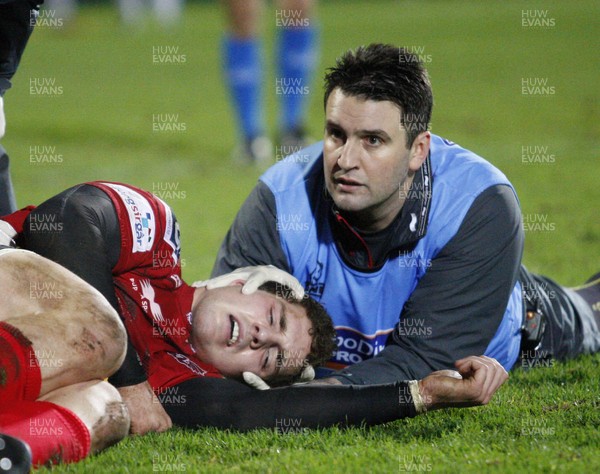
(145, 410)
(254, 277)
(481, 377)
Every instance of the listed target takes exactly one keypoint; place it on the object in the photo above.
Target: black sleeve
(79, 229)
(253, 238)
(222, 403)
(16, 24)
(8, 204)
(459, 303)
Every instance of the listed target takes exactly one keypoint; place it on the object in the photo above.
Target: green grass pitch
(516, 82)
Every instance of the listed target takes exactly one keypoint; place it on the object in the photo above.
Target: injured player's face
(259, 333)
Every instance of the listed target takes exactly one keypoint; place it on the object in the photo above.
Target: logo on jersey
(172, 235)
(141, 217)
(184, 360)
(354, 347)
(148, 302)
(176, 280)
(315, 285)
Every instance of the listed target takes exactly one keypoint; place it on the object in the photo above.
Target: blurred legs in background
(166, 12)
(296, 57)
(64, 10)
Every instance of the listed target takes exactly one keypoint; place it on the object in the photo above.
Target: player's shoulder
(443, 149)
(132, 197)
(463, 168)
(295, 169)
(120, 189)
(151, 222)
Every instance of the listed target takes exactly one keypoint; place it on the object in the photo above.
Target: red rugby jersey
(155, 303)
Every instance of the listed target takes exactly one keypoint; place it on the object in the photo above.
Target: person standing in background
(296, 53)
(17, 19)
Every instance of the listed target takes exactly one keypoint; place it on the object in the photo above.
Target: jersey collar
(368, 251)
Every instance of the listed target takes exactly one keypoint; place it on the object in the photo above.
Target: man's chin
(349, 203)
(352, 211)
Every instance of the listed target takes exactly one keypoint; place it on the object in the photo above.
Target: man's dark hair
(323, 333)
(384, 72)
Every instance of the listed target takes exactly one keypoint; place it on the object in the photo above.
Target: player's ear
(419, 151)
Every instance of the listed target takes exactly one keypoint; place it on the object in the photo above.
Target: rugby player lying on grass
(125, 243)
(59, 338)
(231, 334)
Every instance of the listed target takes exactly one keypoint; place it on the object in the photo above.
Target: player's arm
(253, 238)
(460, 301)
(229, 404)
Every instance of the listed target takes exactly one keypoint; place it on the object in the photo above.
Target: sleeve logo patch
(191, 365)
(141, 217)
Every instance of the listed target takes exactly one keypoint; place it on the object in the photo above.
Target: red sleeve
(171, 368)
(17, 218)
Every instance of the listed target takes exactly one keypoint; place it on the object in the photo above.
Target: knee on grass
(114, 423)
(100, 407)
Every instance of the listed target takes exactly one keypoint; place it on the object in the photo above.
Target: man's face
(366, 161)
(259, 333)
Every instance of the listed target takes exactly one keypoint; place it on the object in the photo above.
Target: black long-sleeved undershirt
(225, 403)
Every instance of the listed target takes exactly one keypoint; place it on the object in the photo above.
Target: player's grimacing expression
(259, 333)
(365, 158)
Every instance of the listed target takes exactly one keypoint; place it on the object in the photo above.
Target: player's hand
(481, 377)
(146, 412)
(254, 277)
(308, 374)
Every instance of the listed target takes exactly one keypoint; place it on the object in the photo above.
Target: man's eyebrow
(364, 132)
(283, 317)
(377, 132)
